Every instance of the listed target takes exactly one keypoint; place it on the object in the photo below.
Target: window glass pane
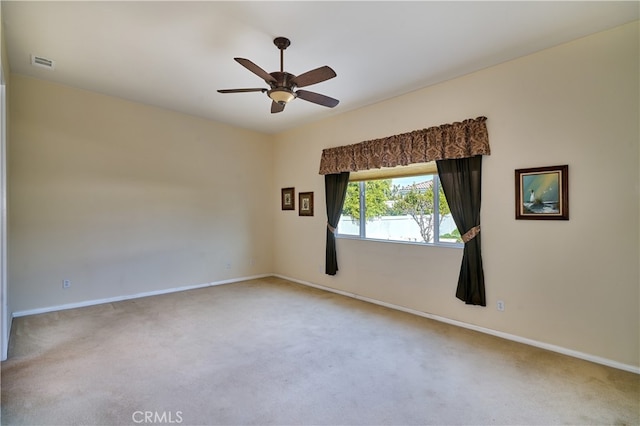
(448, 231)
(413, 209)
(378, 201)
(350, 219)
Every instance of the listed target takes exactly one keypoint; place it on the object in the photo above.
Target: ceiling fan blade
(276, 107)
(257, 89)
(317, 98)
(314, 76)
(255, 69)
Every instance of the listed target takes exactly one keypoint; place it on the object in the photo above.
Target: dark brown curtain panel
(335, 187)
(461, 182)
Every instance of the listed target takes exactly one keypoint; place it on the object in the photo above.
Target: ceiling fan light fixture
(281, 95)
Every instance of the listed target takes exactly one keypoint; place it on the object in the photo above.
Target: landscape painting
(542, 193)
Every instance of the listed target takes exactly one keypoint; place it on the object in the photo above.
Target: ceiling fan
(282, 84)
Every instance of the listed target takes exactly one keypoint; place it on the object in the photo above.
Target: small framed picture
(543, 193)
(288, 199)
(305, 204)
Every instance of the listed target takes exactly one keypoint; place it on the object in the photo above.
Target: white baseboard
(507, 336)
(130, 296)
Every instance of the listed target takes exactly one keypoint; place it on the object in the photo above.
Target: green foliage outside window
(377, 194)
(453, 235)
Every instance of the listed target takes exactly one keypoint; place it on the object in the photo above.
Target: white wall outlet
(500, 305)
(66, 283)
(227, 265)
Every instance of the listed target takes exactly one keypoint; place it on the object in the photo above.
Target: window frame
(427, 169)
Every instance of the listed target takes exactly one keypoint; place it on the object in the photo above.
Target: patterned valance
(448, 141)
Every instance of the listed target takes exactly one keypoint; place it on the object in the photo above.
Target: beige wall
(123, 198)
(572, 284)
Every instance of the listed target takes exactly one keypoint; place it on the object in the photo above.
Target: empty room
(320, 213)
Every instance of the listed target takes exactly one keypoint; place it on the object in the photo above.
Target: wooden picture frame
(305, 204)
(288, 198)
(542, 193)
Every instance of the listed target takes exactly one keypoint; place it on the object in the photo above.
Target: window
(398, 208)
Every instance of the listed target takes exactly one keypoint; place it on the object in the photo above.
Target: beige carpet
(271, 352)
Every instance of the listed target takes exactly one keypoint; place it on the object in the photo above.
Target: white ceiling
(176, 54)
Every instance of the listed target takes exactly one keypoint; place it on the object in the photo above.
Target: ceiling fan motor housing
(282, 89)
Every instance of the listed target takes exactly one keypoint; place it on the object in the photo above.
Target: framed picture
(288, 199)
(305, 204)
(543, 193)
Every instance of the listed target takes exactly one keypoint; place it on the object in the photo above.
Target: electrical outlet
(227, 265)
(66, 283)
(500, 305)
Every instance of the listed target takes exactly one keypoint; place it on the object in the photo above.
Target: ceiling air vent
(40, 61)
